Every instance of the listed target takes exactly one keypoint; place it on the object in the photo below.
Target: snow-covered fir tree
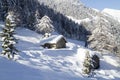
(87, 64)
(44, 25)
(8, 39)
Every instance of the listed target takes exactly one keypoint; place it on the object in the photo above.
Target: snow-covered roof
(51, 39)
(56, 39)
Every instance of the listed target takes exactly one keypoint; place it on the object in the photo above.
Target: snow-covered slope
(36, 63)
(113, 12)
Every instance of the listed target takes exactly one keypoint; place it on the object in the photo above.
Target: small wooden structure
(58, 42)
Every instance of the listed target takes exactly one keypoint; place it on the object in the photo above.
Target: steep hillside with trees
(101, 32)
(29, 11)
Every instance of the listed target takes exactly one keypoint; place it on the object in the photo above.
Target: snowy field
(36, 63)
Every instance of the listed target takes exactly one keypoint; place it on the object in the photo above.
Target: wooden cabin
(57, 42)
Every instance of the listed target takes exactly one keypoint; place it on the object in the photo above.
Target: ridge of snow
(79, 21)
(112, 12)
(96, 10)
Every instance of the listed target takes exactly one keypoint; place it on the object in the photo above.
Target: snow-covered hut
(57, 42)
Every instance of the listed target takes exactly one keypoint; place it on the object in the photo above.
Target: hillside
(74, 8)
(84, 28)
(35, 62)
(30, 12)
(96, 24)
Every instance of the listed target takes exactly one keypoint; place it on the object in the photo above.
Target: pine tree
(87, 64)
(44, 25)
(8, 40)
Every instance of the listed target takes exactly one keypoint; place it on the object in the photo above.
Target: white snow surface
(56, 39)
(114, 13)
(36, 63)
(79, 21)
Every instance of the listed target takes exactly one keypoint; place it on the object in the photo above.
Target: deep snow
(114, 13)
(36, 63)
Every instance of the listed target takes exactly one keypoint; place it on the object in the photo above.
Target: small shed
(57, 42)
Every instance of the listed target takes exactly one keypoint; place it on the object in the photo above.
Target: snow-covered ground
(79, 21)
(114, 13)
(36, 63)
